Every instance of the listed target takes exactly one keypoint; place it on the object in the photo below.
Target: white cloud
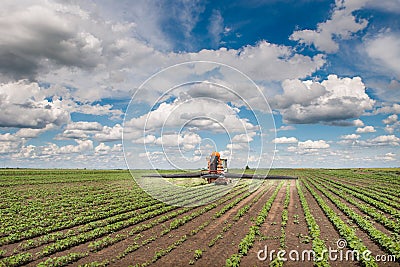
(391, 119)
(243, 138)
(148, 139)
(286, 128)
(26, 152)
(102, 149)
(309, 144)
(9, 143)
(285, 140)
(84, 126)
(383, 48)
(97, 109)
(385, 5)
(387, 157)
(83, 146)
(341, 26)
(392, 128)
(296, 91)
(7, 137)
(216, 26)
(24, 105)
(332, 100)
(394, 108)
(186, 140)
(237, 146)
(30, 42)
(109, 134)
(203, 113)
(80, 130)
(76, 42)
(366, 129)
(309, 147)
(32, 133)
(358, 123)
(350, 136)
(383, 140)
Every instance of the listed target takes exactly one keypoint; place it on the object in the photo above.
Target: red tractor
(216, 170)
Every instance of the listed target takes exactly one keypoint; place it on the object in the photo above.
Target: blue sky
(328, 70)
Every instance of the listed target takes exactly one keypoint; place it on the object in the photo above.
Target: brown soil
(225, 247)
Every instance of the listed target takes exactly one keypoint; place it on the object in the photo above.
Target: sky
(161, 84)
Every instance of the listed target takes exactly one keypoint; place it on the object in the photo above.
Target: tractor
(215, 172)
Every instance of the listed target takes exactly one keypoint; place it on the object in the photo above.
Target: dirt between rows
(225, 247)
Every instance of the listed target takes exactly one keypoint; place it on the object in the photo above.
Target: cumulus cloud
(383, 49)
(28, 133)
(392, 123)
(391, 119)
(187, 141)
(85, 130)
(286, 128)
(358, 123)
(148, 139)
(285, 140)
(84, 126)
(83, 146)
(201, 113)
(366, 129)
(79, 130)
(24, 105)
(296, 91)
(333, 100)
(109, 134)
(387, 157)
(103, 149)
(243, 138)
(341, 26)
(28, 41)
(96, 109)
(309, 147)
(394, 108)
(350, 136)
(309, 144)
(74, 43)
(384, 140)
(9, 143)
(237, 146)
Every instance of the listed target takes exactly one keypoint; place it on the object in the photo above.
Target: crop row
(367, 209)
(374, 201)
(277, 261)
(344, 230)
(389, 196)
(376, 235)
(74, 240)
(108, 240)
(182, 221)
(112, 216)
(240, 213)
(318, 244)
(247, 242)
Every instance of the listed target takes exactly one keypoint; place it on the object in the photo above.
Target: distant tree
(247, 167)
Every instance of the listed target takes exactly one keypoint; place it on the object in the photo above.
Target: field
(100, 218)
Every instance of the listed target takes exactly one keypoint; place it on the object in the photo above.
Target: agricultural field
(102, 218)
